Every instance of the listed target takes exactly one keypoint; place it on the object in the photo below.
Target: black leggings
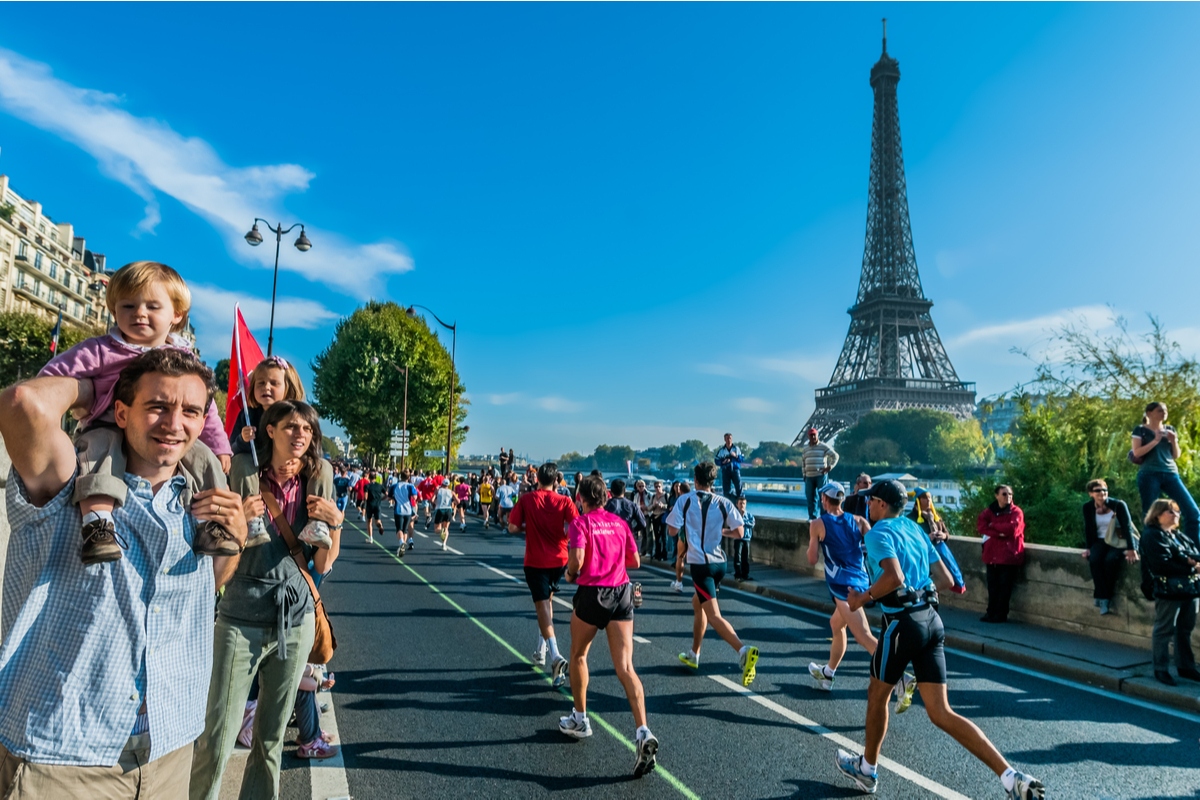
(1000, 579)
(1105, 563)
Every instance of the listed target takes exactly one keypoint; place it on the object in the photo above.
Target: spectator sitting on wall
(1110, 539)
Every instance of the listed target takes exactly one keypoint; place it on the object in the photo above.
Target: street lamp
(412, 312)
(404, 424)
(254, 239)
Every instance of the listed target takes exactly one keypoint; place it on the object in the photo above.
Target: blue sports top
(843, 549)
(904, 540)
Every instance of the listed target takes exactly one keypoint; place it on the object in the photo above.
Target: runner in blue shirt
(402, 495)
(900, 558)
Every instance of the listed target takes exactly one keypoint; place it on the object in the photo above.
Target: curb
(1125, 682)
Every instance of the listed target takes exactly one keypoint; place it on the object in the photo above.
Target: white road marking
(450, 549)
(562, 602)
(641, 639)
(328, 776)
(849, 744)
(499, 572)
(422, 535)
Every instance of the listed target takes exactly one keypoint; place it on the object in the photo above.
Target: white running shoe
(578, 729)
(647, 747)
(443, 544)
(904, 692)
(539, 652)
(850, 765)
(677, 587)
(1026, 787)
(824, 682)
(317, 533)
(558, 674)
(258, 533)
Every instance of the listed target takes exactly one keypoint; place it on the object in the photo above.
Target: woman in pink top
(600, 546)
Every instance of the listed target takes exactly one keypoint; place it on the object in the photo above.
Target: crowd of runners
(585, 531)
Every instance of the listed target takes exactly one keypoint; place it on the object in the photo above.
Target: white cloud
(212, 314)
(503, 399)
(755, 405)
(557, 404)
(148, 157)
(1020, 332)
(816, 370)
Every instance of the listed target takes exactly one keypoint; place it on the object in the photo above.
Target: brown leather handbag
(324, 642)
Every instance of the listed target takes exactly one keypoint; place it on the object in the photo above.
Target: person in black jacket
(1167, 553)
(856, 503)
(1101, 515)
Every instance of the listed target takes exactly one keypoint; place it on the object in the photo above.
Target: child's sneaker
(100, 542)
(258, 533)
(316, 533)
(213, 540)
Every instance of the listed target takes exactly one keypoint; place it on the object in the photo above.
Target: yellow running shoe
(908, 685)
(690, 659)
(749, 660)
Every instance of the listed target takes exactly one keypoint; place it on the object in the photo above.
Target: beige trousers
(133, 777)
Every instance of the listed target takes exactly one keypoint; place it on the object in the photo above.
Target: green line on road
(659, 770)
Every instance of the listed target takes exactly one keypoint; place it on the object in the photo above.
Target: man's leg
(236, 655)
(858, 624)
(963, 731)
(545, 618)
(1185, 623)
(736, 475)
(699, 624)
(276, 698)
(712, 611)
(726, 478)
(810, 495)
(878, 695)
(837, 645)
(581, 641)
(620, 644)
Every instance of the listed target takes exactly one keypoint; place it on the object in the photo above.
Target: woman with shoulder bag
(1110, 539)
(267, 619)
(1173, 562)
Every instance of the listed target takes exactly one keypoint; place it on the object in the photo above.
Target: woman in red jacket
(1002, 526)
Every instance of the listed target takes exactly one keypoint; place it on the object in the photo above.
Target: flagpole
(237, 348)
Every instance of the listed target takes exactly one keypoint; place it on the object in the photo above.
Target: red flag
(243, 358)
(54, 334)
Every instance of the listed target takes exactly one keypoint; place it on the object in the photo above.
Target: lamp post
(412, 312)
(254, 239)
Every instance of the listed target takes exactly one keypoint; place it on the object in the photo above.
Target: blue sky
(647, 219)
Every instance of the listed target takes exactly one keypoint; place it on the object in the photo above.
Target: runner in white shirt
(706, 518)
(402, 495)
(443, 510)
(507, 495)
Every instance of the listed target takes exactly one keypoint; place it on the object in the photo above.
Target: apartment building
(45, 267)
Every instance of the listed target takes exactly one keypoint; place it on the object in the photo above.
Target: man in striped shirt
(818, 460)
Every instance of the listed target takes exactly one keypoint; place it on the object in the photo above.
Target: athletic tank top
(843, 549)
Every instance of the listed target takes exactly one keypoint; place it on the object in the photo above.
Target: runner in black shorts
(543, 581)
(600, 605)
(373, 505)
(903, 567)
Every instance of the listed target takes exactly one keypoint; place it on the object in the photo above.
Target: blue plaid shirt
(85, 646)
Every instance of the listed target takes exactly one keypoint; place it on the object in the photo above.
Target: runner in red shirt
(544, 514)
(360, 496)
(426, 491)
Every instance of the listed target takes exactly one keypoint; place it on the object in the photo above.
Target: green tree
(960, 444)
(910, 429)
(1094, 396)
(330, 447)
(221, 373)
(775, 453)
(612, 458)
(694, 450)
(668, 455)
(356, 386)
(25, 343)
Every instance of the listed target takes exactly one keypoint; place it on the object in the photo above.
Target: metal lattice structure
(893, 357)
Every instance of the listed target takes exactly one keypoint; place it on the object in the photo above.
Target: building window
(54, 274)
(37, 259)
(54, 234)
(21, 248)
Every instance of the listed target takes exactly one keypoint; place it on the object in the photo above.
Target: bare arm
(891, 580)
(30, 421)
(733, 533)
(575, 556)
(816, 532)
(1140, 449)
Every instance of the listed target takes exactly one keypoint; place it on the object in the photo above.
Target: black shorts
(600, 605)
(916, 637)
(442, 515)
(706, 579)
(372, 512)
(543, 581)
(402, 521)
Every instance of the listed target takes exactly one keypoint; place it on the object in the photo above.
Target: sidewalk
(1105, 665)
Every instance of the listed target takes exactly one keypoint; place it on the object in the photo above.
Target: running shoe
(558, 674)
(317, 533)
(410, 544)
(1026, 787)
(574, 727)
(850, 765)
(824, 682)
(677, 586)
(443, 544)
(647, 747)
(748, 661)
(637, 595)
(317, 749)
(400, 551)
(539, 652)
(690, 659)
(904, 693)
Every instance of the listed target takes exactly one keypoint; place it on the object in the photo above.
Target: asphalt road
(436, 697)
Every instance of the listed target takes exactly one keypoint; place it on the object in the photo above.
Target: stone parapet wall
(1054, 591)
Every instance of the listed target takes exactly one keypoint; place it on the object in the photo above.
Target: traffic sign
(435, 453)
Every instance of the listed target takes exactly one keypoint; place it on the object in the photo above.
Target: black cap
(891, 492)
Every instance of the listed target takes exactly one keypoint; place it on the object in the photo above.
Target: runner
(544, 515)
(341, 485)
(901, 559)
(373, 496)
(485, 499)
(601, 548)
(839, 536)
(633, 515)
(360, 495)
(427, 489)
(444, 503)
(462, 491)
(704, 518)
(404, 495)
(675, 540)
(506, 495)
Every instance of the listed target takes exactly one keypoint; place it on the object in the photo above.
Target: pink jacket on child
(101, 359)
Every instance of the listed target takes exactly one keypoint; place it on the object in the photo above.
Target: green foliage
(330, 448)
(1094, 397)
(775, 454)
(221, 373)
(693, 451)
(356, 386)
(25, 343)
(668, 455)
(910, 430)
(6, 212)
(612, 458)
(960, 445)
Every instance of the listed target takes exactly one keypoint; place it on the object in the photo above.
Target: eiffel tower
(893, 357)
